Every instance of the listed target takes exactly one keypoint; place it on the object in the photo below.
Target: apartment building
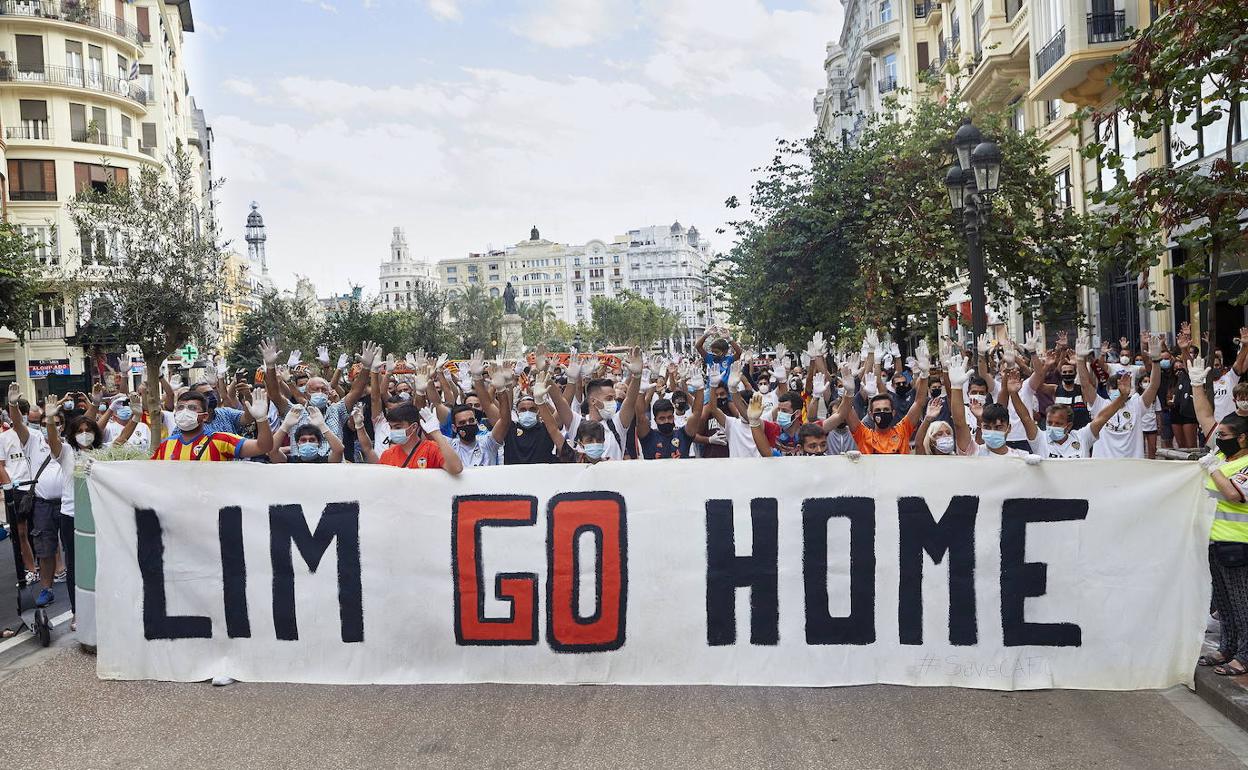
(1043, 60)
(671, 267)
(88, 89)
(402, 275)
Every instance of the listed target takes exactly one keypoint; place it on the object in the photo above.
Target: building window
(92, 246)
(1018, 117)
(34, 115)
(886, 11)
(494, 293)
(44, 240)
(1052, 110)
(452, 279)
(92, 176)
(1117, 134)
(1061, 189)
(49, 313)
(1188, 141)
(452, 270)
(32, 180)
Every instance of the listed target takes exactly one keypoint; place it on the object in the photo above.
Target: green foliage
(631, 319)
(840, 238)
(21, 280)
(1193, 57)
(477, 321)
(417, 327)
(291, 323)
(539, 320)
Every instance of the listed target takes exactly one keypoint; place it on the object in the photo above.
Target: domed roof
(254, 219)
(676, 228)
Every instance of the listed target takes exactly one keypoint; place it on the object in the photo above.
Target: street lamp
(971, 181)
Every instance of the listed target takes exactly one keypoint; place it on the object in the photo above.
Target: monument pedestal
(512, 348)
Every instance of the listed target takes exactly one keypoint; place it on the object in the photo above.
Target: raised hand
(734, 376)
(1029, 341)
(322, 354)
(342, 361)
(369, 353)
(429, 421)
(1083, 346)
(357, 416)
(498, 378)
(847, 378)
(819, 385)
(695, 379)
(634, 363)
(317, 420)
(268, 351)
(295, 357)
(210, 376)
(476, 364)
(259, 406)
(390, 361)
(1009, 354)
(292, 418)
(870, 341)
(410, 360)
(717, 378)
(1063, 339)
(817, 346)
(420, 383)
(573, 371)
(985, 344)
(754, 410)
(439, 362)
(1154, 346)
(934, 406)
(923, 358)
(541, 390)
(958, 375)
(1197, 372)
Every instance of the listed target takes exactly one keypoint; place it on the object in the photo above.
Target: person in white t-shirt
(994, 420)
(1061, 440)
(1225, 380)
(15, 480)
(121, 424)
(1123, 434)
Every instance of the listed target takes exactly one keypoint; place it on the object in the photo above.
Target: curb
(1226, 694)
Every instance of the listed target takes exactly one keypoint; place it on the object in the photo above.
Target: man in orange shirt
(416, 441)
(191, 415)
(884, 434)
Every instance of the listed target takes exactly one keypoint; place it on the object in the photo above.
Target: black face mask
(667, 429)
(681, 407)
(1228, 446)
(466, 432)
(903, 387)
(934, 392)
(1068, 379)
(883, 419)
(480, 415)
(212, 401)
(724, 403)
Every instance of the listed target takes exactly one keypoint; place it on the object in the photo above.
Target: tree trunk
(152, 397)
(1215, 265)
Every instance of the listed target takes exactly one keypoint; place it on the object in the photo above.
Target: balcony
(29, 131)
(1053, 50)
(46, 333)
(882, 35)
(88, 136)
(73, 12)
(67, 77)
(148, 151)
(1107, 27)
(30, 196)
(887, 85)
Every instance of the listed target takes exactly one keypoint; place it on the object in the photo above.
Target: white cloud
(324, 6)
(445, 10)
(574, 23)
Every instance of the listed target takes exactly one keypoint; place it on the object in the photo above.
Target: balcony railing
(31, 195)
(148, 151)
(956, 36)
(921, 10)
(888, 84)
(72, 77)
(46, 333)
(33, 130)
(1107, 27)
(1052, 51)
(98, 137)
(73, 11)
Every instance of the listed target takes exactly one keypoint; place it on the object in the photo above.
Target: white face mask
(84, 440)
(1124, 360)
(608, 407)
(186, 420)
(944, 444)
(979, 398)
(1241, 406)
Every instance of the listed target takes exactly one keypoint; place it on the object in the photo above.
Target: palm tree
(541, 312)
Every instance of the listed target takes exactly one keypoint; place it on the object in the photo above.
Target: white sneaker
(222, 681)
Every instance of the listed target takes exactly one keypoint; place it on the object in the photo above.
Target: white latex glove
(923, 358)
(322, 354)
(51, 407)
(870, 341)
(1211, 462)
(541, 390)
(754, 411)
(1033, 460)
(819, 385)
(958, 375)
(734, 376)
(1083, 347)
(695, 380)
(717, 378)
(817, 346)
(1009, 354)
(357, 416)
(210, 376)
(268, 351)
(317, 420)
(295, 357)
(718, 438)
(634, 364)
(573, 371)
(1197, 372)
(476, 364)
(259, 406)
(410, 360)
(847, 379)
(176, 381)
(293, 415)
(985, 344)
(429, 421)
(390, 363)
(439, 363)
(221, 366)
(420, 383)
(854, 455)
(1154, 346)
(805, 359)
(370, 357)
(342, 361)
(498, 378)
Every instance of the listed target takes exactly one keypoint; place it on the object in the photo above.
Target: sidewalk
(1227, 694)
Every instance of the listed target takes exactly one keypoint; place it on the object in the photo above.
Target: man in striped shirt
(192, 443)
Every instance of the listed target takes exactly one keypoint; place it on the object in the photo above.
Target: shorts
(1150, 433)
(1180, 419)
(12, 504)
(44, 527)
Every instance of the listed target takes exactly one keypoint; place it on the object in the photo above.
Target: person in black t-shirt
(665, 441)
(529, 440)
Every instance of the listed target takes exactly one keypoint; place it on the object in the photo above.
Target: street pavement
(87, 723)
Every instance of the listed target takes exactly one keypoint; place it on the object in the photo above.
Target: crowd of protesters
(420, 411)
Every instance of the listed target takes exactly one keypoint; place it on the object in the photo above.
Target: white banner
(807, 571)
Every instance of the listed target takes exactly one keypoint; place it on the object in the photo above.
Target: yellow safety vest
(1230, 521)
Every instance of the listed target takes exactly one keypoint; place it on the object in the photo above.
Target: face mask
(681, 407)
(403, 394)
(944, 444)
(212, 400)
(1115, 393)
(319, 400)
(667, 429)
(303, 388)
(308, 450)
(1068, 379)
(186, 420)
(527, 419)
(466, 432)
(124, 413)
(608, 408)
(902, 387)
(1143, 385)
(398, 436)
(1139, 362)
(1241, 406)
(1229, 447)
(784, 418)
(1056, 434)
(995, 439)
(595, 451)
(1124, 360)
(84, 440)
(934, 392)
(1166, 363)
(883, 419)
(979, 399)
(764, 388)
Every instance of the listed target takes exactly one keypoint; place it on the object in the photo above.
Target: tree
(21, 280)
(1187, 68)
(156, 271)
(631, 319)
(289, 322)
(539, 320)
(476, 320)
(838, 238)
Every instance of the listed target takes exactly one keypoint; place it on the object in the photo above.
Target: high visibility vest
(1230, 521)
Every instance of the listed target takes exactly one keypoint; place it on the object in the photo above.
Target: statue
(509, 300)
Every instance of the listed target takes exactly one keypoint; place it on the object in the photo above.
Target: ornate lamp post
(971, 181)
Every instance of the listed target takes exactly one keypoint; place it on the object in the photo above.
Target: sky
(466, 122)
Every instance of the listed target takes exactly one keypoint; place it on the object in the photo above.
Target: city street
(156, 724)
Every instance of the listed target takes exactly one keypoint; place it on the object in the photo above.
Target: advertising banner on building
(41, 368)
(981, 573)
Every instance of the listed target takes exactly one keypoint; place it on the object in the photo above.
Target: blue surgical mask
(308, 450)
(1166, 363)
(595, 451)
(784, 418)
(1115, 393)
(398, 436)
(995, 439)
(124, 413)
(527, 419)
(1056, 434)
(303, 388)
(609, 407)
(319, 400)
